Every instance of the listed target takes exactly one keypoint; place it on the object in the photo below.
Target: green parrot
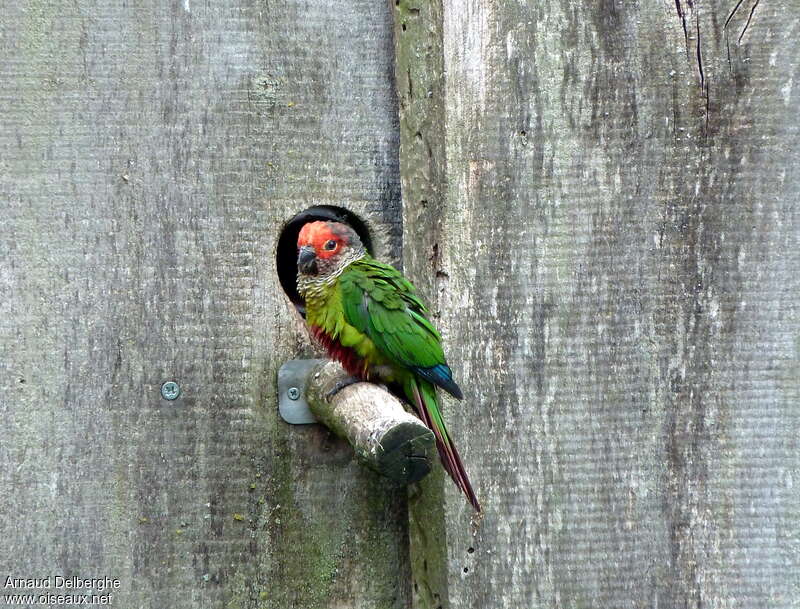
(370, 318)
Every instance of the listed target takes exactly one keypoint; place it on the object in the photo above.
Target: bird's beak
(307, 260)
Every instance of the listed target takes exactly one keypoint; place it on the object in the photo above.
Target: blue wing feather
(442, 376)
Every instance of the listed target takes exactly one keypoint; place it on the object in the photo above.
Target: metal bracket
(292, 381)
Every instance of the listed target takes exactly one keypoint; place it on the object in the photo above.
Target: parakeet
(370, 318)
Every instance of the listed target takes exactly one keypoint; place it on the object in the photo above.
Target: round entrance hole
(286, 257)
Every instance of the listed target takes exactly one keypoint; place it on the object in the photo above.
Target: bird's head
(324, 248)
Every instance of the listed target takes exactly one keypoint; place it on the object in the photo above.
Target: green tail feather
(422, 395)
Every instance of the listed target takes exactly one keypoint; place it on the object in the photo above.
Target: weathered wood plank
(419, 76)
(152, 153)
(616, 280)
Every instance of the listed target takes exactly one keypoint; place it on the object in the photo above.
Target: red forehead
(317, 233)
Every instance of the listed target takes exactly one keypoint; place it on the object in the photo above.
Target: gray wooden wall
(612, 244)
(151, 154)
(607, 234)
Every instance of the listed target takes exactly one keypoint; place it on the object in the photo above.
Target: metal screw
(293, 393)
(170, 390)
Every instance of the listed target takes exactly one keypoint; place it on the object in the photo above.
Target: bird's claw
(341, 384)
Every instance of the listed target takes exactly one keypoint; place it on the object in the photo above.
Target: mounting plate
(292, 381)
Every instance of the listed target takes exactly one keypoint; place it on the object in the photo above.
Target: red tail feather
(447, 451)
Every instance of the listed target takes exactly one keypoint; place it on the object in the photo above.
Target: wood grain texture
(615, 278)
(152, 153)
(419, 75)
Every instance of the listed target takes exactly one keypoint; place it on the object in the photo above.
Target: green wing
(384, 305)
(379, 302)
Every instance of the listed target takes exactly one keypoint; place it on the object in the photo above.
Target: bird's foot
(341, 384)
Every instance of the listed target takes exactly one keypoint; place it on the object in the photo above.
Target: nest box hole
(286, 257)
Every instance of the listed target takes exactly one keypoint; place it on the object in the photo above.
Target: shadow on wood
(383, 434)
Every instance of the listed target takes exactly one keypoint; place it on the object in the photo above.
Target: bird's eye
(330, 245)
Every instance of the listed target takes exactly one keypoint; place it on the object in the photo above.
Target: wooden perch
(390, 440)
